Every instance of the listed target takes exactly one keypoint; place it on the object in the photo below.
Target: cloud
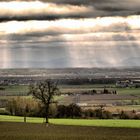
(105, 29)
(71, 26)
(57, 9)
(37, 10)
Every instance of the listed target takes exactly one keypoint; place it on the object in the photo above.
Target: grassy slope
(22, 131)
(80, 122)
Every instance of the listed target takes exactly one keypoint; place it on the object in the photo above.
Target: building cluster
(128, 83)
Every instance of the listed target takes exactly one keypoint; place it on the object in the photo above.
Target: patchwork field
(23, 89)
(125, 99)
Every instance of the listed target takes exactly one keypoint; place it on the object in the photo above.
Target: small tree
(44, 92)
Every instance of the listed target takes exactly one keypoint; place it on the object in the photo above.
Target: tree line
(21, 106)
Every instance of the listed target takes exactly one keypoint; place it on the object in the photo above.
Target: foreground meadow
(34, 131)
(76, 122)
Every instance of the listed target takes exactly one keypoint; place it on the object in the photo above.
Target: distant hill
(73, 72)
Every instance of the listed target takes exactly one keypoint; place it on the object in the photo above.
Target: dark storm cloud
(39, 17)
(37, 10)
(109, 7)
(112, 7)
(57, 9)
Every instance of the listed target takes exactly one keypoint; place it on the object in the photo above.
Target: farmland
(30, 131)
(126, 98)
(23, 89)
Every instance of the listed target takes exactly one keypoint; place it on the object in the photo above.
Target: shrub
(89, 113)
(61, 111)
(4, 112)
(70, 111)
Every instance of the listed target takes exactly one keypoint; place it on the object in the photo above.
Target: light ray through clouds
(74, 38)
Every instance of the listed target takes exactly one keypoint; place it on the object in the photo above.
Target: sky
(69, 33)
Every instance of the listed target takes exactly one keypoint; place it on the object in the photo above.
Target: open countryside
(101, 107)
(70, 70)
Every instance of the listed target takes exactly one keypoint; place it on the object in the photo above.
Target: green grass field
(78, 122)
(132, 91)
(16, 88)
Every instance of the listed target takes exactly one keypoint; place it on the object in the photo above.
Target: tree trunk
(24, 117)
(47, 121)
(47, 114)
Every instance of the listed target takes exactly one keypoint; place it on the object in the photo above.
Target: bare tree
(44, 92)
